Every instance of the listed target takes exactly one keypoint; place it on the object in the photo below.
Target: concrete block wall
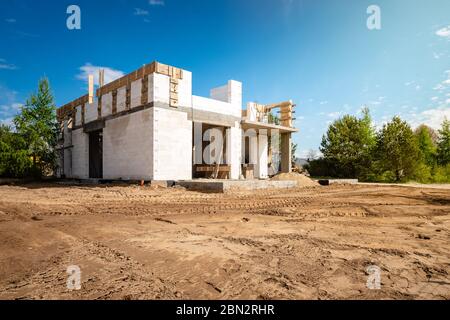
(261, 167)
(107, 104)
(80, 154)
(121, 99)
(185, 90)
(230, 93)
(136, 93)
(217, 106)
(234, 156)
(91, 111)
(172, 147)
(159, 88)
(78, 116)
(128, 147)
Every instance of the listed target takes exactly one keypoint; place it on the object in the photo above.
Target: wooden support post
(286, 153)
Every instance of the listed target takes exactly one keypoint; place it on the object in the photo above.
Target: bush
(441, 174)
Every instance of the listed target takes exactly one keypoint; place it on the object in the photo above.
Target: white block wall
(231, 93)
(261, 168)
(211, 105)
(78, 116)
(185, 90)
(106, 104)
(128, 147)
(80, 154)
(234, 155)
(159, 88)
(121, 99)
(172, 145)
(91, 111)
(136, 93)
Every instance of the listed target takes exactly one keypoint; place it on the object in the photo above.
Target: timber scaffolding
(67, 111)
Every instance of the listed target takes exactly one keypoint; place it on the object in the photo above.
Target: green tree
(443, 148)
(348, 144)
(37, 124)
(397, 149)
(426, 145)
(14, 160)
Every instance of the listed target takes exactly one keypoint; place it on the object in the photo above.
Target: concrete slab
(222, 186)
(329, 182)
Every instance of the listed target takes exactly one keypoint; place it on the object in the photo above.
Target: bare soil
(134, 242)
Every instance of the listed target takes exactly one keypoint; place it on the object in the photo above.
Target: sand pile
(302, 181)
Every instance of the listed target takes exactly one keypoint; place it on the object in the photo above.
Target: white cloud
(140, 12)
(10, 20)
(418, 87)
(156, 2)
(6, 66)
(434, 98)
(444, 32)
(8, 110)
(323, 102)
(437, 55)
(334, 115)
(431, 117)
(9, 106)
(110, 74)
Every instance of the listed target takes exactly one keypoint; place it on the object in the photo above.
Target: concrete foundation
(223, 186)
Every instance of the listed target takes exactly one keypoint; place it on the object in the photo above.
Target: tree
(397, 149)
(426, 145)
(312, 155)
(37, 125)
(443, 148)
(14, 160)
(348, 144)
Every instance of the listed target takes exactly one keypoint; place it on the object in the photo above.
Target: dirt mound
(302, 181)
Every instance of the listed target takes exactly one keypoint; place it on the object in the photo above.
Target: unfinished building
(143, 127)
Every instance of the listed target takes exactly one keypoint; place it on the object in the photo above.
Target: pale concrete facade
(143, 127)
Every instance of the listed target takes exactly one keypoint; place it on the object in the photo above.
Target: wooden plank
(212, 168)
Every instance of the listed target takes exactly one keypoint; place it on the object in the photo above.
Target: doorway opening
(96, 154)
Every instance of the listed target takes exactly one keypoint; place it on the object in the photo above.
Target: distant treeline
(352, 148)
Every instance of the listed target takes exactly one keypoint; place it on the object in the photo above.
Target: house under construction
(143, 127)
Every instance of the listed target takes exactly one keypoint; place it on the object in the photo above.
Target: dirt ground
(134, 242)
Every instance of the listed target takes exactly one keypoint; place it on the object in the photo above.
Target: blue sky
(318, 53)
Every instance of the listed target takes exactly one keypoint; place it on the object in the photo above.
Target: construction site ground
(133, 242)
